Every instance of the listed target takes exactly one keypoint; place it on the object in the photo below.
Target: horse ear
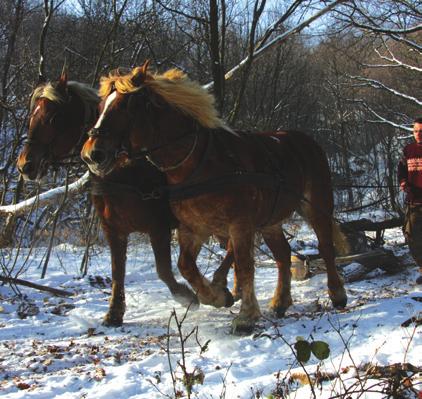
(41, 79)
(139, 74)
(62, 83)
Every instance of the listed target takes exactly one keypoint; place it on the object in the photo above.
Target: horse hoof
(242, 326)
(112, 321)
(280, 308)
(280, 312)
(229, 299)
(338, 298)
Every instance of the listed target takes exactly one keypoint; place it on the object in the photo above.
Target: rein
(180, 163)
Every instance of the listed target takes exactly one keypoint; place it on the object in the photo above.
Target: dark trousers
(412, 231)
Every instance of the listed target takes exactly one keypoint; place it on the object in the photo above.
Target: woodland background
(352, 79)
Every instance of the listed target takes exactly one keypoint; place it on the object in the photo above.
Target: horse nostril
(98, 156)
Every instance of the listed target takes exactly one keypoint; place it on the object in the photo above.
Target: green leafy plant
(304, 348)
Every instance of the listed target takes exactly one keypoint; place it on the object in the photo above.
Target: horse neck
(88, 100)
(85, 120)
(182, 151)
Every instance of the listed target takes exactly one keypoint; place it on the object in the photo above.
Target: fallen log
(54, 291)
(368, 261)
(378, 258)
(47, 198)
(369, 225)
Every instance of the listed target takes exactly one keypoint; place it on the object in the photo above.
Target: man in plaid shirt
(410, 179)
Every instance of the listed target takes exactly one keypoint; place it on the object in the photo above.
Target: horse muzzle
(99, 161)
(33, 171)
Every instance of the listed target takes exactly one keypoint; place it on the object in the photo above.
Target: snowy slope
(62, 351)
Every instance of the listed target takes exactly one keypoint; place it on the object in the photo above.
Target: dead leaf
(416, 320)
(99, 374)
(22, 385)
(47, 362)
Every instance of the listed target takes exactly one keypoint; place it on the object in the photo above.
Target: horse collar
(178, 164)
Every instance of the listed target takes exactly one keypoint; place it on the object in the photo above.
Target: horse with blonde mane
(60, 114)
(218, 181)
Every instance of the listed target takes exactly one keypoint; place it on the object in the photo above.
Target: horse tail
(341, 243)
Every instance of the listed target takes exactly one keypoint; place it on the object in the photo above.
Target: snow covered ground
(62, 351)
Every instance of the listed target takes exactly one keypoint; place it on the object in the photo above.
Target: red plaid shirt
(410, 172)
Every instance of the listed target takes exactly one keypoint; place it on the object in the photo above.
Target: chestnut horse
(61, 113)
(219, 182)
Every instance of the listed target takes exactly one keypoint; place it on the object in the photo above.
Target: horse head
(125, 109)
(146, 114)
(58, 115)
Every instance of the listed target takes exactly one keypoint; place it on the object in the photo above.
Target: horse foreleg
(118, 247)
(242, 242)
(280, 248)
(220, 275)
(160, 242)
(208, 294)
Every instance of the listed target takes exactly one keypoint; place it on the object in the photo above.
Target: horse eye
(56, 120)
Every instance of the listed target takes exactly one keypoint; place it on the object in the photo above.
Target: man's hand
(407, 188)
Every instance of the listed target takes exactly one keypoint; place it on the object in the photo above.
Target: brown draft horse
(61, 112)
(219, 182)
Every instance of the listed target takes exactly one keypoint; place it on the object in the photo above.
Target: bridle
(124, 148)
(48, 155)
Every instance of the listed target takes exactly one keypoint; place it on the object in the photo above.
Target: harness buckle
(153, 195)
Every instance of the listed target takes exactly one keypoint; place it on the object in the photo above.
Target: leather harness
(194, 186)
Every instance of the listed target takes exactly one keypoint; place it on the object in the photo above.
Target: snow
(63, 351)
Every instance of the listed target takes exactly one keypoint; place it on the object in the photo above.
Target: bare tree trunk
(10, 49)
(257, 12)
(216, 52)
(117, 16)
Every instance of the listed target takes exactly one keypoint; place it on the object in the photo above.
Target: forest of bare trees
(351, 78)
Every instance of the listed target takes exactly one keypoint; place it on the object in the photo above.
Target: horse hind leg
(276, 241)
(319, 215)
(160, 243)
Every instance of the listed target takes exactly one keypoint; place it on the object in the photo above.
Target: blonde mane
(175, 88)
(87, 94)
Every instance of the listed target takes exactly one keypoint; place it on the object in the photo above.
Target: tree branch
(378, 85)
(276, 41)
(18, 281)
(46, 198)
